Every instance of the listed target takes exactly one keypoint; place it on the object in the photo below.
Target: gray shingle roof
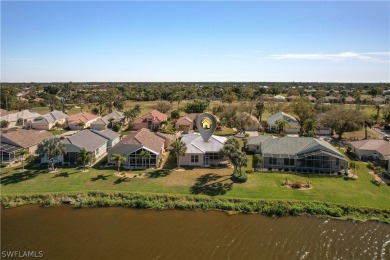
(86, 139)
(294, 146)
(195, 143)
(273, 119)
(51, 117)
(107, 133)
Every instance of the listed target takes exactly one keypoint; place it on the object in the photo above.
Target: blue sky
(195, 41)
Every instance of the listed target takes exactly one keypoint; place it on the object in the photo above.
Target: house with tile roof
(134, 144)
(15, 140)
(186, 123)
(48, 121)
(108, 120)
(273, 120)
(74, 122)
(152, 120)
(303, 154)
(202, 153)
(371, 149)
(18, 118)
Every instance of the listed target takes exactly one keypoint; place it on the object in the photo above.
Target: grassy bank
(158, 201)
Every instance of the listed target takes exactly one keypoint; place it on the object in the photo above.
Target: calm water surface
(122, 233)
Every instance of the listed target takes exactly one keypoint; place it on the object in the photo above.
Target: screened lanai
(315, 162)
(8, 153)
(142, 159)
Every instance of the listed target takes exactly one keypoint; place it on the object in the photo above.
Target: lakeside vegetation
(199, 188)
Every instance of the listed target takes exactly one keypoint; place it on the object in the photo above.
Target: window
(288, 162)
(337, 161)
(273, 161)
(194, 158)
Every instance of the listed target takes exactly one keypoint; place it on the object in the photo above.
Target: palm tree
(179, 149)
(239, 159)
(230, 150)
(282, 124)
(378, 110)
(367, 124)
(83, 157)
(144, 155)
(354, 167)
(309, 127)
(118, 159)
(260, 109)
(51, 148)
(21, 154)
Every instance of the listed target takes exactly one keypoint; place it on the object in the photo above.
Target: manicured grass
(199, 181)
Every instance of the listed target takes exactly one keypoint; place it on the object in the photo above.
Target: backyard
(198, 181)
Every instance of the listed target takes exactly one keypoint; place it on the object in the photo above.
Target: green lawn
(213, 182)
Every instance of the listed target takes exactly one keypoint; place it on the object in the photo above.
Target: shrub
(3, 165)
(296, 185)
(239, 177)
(249, 171)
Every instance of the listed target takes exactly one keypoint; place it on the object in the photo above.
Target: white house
(273, 120)
(200, 152)
(18, 118)
(47, 121)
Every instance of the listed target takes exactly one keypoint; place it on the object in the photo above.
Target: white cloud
(368, 56)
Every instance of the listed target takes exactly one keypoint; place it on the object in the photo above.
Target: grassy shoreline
(275, 208)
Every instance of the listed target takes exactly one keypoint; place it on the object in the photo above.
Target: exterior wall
(112, 143)
(186, 160)
(364, 153)
(32, 149)
(288, 130)
(252, 128)
(254, 148)
(57, 159)
(73, 125)
(101, 151)
(41, 126)
(323, 131)
(139, 126)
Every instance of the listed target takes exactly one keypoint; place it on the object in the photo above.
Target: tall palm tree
(22, 153)
(144, 155)
(118, 159)
(51, 148)
(179, 148)
(83, 157)
(282, 124)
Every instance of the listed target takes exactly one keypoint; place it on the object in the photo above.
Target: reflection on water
(121, 233)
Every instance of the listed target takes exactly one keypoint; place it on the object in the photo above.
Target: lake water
(122, 233)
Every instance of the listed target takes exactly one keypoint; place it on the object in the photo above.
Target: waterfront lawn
(198, 181)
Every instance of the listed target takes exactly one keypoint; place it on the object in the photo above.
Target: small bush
(239, 177)
(3, 165)
(249, 171)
